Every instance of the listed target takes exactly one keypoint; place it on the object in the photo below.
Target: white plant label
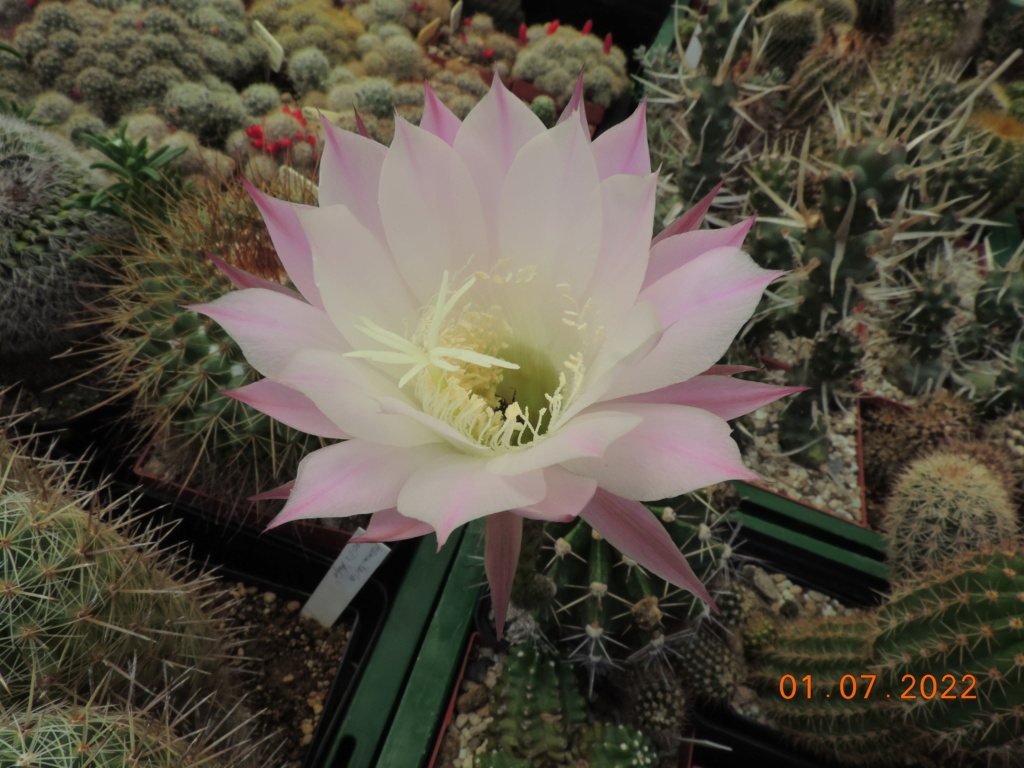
(351, 570)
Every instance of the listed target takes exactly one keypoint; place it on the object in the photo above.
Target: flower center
(468, 368)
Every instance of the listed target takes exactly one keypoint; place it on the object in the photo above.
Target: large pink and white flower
(482, 316)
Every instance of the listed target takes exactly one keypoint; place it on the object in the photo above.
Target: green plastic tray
(401, 696)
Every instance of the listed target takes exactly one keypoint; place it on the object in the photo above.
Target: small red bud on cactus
(299, 135)
(468, 22)
(418, 7)
(608, 43)
(589, 25)
(285, 142)
(258, 143)
(311, 140)
(286, 110)
(522, 35)
(553, 27)
(487, 53)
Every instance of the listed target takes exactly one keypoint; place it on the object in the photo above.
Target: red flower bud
(418, 7)
(522, 35)
(487, 53)
(258, 143)
(468, 22)
(285, 142)
(553, 27)
(608, 43)
(300, 135)
(587, 27)
(311, 140)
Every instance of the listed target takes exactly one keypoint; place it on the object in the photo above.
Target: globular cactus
(83, 592)
(210, 113)
(297, 24)
(657, 703)
(308, 69)
(710, 666)
(836, 67)
(42, 278)
(555, 55)
(941, 505)
(924, 28)
(175, 363)
(122, 60)
(924, 335)
(96, 736)
(607, 606)
(790, 30)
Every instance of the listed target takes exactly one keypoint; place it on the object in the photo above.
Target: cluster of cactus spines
(834, 68)
(942, 504)
(554, 56)
(83, 593)
(923, 334)
(608, 607)
(42, 283)
(999, 306)
(175, 363)
(124, 60)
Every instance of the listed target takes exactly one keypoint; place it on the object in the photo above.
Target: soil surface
(293, 660)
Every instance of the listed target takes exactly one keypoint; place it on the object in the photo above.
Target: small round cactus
(943, 504)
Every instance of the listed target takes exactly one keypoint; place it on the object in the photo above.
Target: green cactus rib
(606, 606)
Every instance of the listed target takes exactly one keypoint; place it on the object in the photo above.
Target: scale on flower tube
(343, 580)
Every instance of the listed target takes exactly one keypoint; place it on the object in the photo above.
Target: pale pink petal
(360, 125)
(357, 276)
(289, 240)
(388, 525)
(430, 209)
(489, 140)
(690, 219)
(270, 327)
(704, 304)
(350, 174)
(628, 341)
(454, 489)
(635, 532)
(444, 430)
(587, 435)
(348, 391)
(243, 279)
(550, 210)
(623, 147)
(627, 204)
(566, 495)
(575, 107)
(502, 542)
(675, 450)
(725, 397)
(672, 253)
(281, 492)
(437, 118)
(288, 406)
(351, 478)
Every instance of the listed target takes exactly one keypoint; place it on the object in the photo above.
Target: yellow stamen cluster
(456, 369)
